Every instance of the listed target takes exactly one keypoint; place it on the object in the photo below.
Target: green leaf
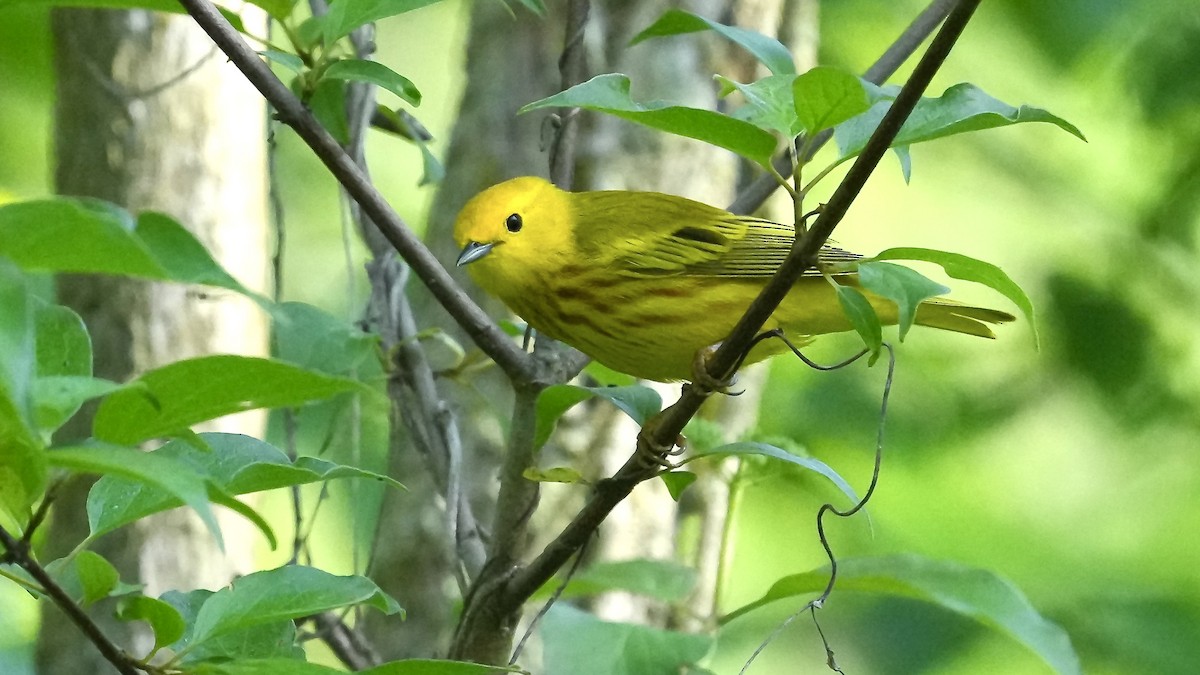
(234, 463)
(974, 593)
(958, 266)
(22, 462)
(272, 666)
(170, 6)
(558, 474)
(166, 621)
(659, 579)
(105, 239)
(285, 593)
(346, 15)
(374, 72)
(58, 397)
(769, 103)
(743, 448)
(176, 396)
(610, 94)
(405, 667)
(906, 287)
(432, 171)
(825, 97)
(310, 337)
(275, 640)
(328, 104)
(862, 316)
(769, 51)
(960, 109)
(182, 255)
(677, 482)
(639, 402)
(286, 59)
(169, 475)
(86, 577)
(578, 643)
(63, 344)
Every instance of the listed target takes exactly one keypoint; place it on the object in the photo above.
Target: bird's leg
(651, 454)
(704, 382)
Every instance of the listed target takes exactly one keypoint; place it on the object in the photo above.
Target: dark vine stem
(17, 552)
(827, 507)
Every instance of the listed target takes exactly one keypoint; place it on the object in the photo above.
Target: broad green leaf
(974, 593)
(825, 97)
(273, 666)
(169, 475)
(961, 108)
(769, 103)
(742, 448)
(769, 51)
(101, 235)
(22, 463)
(610, 94)
(640, 403)
(107, 240)
(963, 267)
(176, 396)
(677, 482)
(171, 6)
(166, 621)
(182, 255)
(346, 15)
(659, 579)
(275, 640)
(285, 593)
(903, 286)
(63, 344)
(86, 577)
(862, 316)
(234, 463)
(374, 72)
(58, 397)
(328, 104)
(578, 643)
(310, 337)
(286, 59)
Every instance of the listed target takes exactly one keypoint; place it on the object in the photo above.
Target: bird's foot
(703, 381)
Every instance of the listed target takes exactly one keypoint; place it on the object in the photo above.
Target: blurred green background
(1073, 470)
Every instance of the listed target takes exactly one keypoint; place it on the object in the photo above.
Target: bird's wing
(652, 234)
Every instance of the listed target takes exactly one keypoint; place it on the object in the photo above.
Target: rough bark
(149, 116)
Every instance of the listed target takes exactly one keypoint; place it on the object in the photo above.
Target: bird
(642, 281)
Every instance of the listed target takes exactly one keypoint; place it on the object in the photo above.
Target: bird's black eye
(513, 222)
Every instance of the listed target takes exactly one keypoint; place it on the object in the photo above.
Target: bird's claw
(704, 382)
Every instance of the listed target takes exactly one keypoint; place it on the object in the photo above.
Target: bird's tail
(953, 316)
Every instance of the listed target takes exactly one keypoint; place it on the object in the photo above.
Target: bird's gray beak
(473, 251)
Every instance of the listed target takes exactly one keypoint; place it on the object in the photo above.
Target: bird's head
(511, 231)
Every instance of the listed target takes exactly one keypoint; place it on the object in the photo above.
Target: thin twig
(17, 552)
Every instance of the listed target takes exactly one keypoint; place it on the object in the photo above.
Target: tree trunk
(151, 117)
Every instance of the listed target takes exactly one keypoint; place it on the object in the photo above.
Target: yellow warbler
(640, 281)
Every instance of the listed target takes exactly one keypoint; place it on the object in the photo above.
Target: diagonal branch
(663, 430)
(483, 331)
(17, 552)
